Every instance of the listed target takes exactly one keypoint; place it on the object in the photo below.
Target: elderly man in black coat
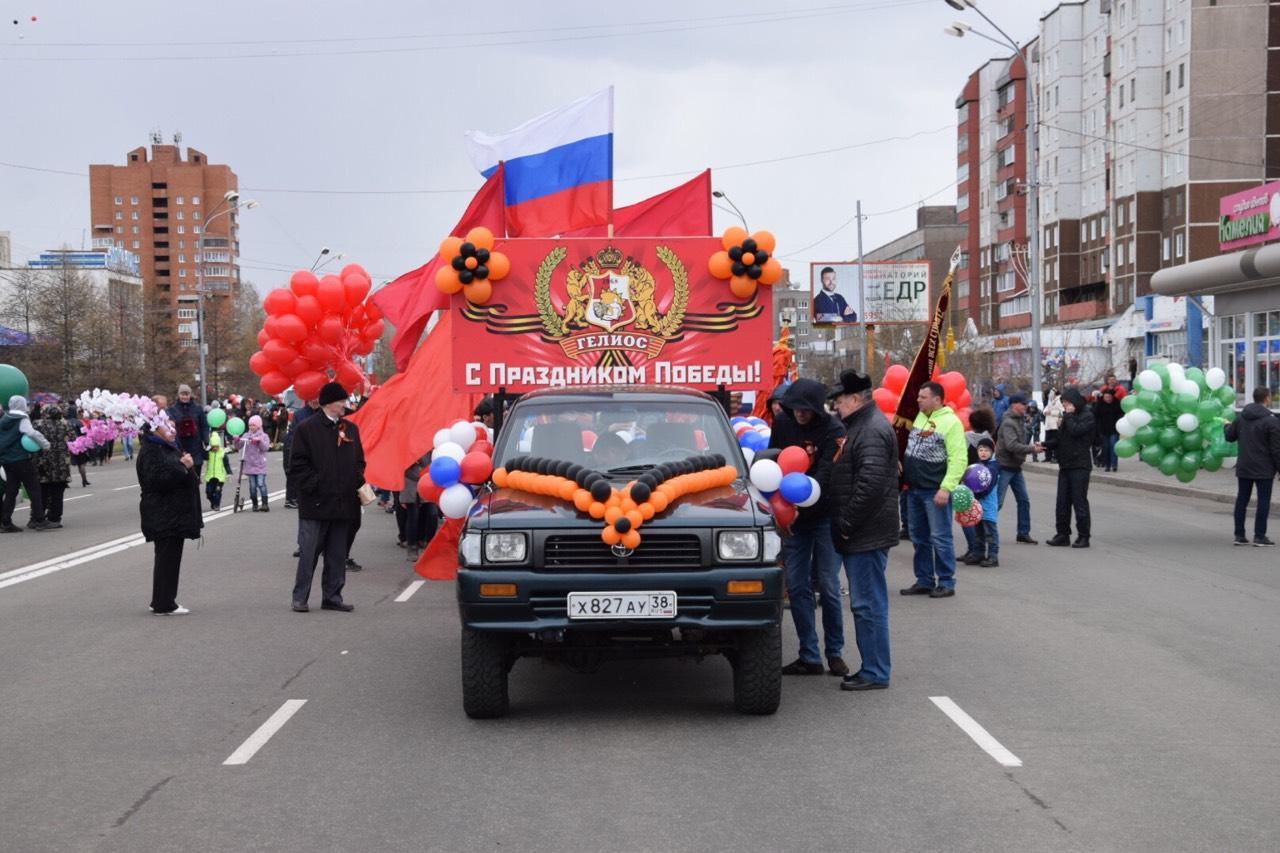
(863, 502)
(327, 462)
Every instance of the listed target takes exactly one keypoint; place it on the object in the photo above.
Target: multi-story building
(6, 256)
(791, 310)
(156, 206)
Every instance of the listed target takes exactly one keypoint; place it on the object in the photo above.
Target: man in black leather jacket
(1074, 444)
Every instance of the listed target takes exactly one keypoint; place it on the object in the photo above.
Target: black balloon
(466, 276)
(735, 254)
(467, 249)
(459, 263)
(640, 492)
(562, 469)
(749, 245)
(769, 453)
(622, 525)
(482, 255)
(739, 268)
(754, 270)
(601, 490)
(761, 257)
(718, 459)
(482, 272)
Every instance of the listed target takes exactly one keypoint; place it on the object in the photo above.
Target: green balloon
(1152, 454)
(1169, 464)
(1126, 447)
(12, 382)
(1190, 462)
(1233, 449)
(1129, 403)
(1185, 476)
(1212, 463)
(1162, 371)
(1146, 435)
(1170, 438)
(1229, 414)
(1149, 400)
(235, 427)
(962, 498)
(1196, 375)
(29, 444)
(1192, 441)
(1226, 396)
(1209, 409)
(1186, 404)
(216, 418)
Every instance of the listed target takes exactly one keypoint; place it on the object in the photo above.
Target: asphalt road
(1135, 682)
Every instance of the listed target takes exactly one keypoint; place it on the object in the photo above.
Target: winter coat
(54, 465)
(1258, 434)
(863, 488)
(1107, 414)
(1011, 442)
(253, 448)
(991, 500)
(13, 426)
(328, 469)
(215, 468)
(170, 502)
(1074, 441)
(412, 474)
(937, 453)
(819, 438)
(192, 428)
(1000, 404)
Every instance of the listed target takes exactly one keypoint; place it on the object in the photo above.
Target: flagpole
(610, 230)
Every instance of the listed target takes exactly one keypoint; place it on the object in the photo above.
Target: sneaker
(1242, 540)
(1262, 542)
(297, 553)
(178, 611)
(989, 563)
(1081, 542)
(10, 528)
(411, 555)
(290, 504)
(53, 525)
(971, 559)
(353, 566)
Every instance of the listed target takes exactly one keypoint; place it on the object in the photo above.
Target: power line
(854, 218)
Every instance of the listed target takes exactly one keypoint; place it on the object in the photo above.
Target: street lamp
(719, 194)
(335, 257)
(959, 30)
(324, 250)
(230, 204)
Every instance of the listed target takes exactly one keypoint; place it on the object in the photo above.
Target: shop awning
(1224, 274)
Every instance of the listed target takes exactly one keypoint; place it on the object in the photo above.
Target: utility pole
(868, 356)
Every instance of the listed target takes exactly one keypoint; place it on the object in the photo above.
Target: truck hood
(508, 509)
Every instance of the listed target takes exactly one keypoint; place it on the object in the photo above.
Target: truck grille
(657, 551)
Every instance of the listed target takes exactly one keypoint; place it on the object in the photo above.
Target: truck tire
(757, 671)
(484, 674)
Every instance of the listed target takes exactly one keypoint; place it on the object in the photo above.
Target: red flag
(439, 560)
(922, 368)
(684, 211)
(410, 300)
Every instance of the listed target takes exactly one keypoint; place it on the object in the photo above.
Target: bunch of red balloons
(312, 330)
(957, 394)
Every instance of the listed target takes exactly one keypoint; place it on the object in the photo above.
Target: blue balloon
(445, 472)
(796, 488)
(760, 422)
(737, 420)
(754, 441)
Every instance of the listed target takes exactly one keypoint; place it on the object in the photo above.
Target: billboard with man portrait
(890, 292)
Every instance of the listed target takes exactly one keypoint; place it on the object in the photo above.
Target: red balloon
(332, 296)
(482, 445)
(429, 491)
(308, 308)
(363, 346)
(895, 378)
(793, 460)
(349, 376)
(372, 311)
(260, 364)
(373, 330)
(357, 286)
(886, 400)
(274, 383)
(352, 269)
(263, 337)
(290, 328)
(279, 301)
(963, 415)
(588, 440)
(307, 384)
(482, 432)
(356, 319)
(476, 468)
(954, 385)
(296, 367)
(784, 512)
(331, 330)
(315, 352)
(269, 326)
(279, 353)
(304, 283)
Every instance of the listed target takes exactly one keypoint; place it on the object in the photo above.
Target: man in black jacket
(1258, 434)
(328, 462)
(192, 426)
(805, 423)
(1074, 443)
(863, 497)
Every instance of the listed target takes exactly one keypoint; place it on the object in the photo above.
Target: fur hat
(851, 382)
(332, 393)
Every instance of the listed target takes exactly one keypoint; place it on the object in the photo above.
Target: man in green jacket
(932, 466)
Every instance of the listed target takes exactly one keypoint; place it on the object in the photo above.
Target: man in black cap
(1012, 447)
(1075, 460)
(863, 501)
(328, 463)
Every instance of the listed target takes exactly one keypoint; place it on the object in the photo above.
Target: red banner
(626, 311)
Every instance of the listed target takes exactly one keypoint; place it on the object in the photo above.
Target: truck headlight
(469, 549)
(738, 545)
(772, 545)
(505, 547)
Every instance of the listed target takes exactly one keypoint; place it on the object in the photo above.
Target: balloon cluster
(781, 479)
(218, 419)
(623, 511)
(976, 482)
(753, 435)
(1175, 420)
(315, 326)
(746, 261)
(953, 383)
(461, 462)
(471, 265)
(118, 415)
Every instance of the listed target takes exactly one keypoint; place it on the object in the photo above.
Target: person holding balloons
(18, 440)
(933, 464)
(254, 445)
(191, 424)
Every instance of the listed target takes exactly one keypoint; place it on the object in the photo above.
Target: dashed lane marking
(980, 736)
(259, 738)
(410, 590)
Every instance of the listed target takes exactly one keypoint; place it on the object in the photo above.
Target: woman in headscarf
(169, 508)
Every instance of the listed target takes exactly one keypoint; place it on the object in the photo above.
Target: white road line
(410, 590)
(258, 739)
(123, 488)
(27, 506)
(980, 736)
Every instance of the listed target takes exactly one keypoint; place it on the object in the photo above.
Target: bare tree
(18, 306)
(167, 362)
(63, 312)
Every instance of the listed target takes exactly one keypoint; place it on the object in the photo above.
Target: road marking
(410, 590)
(258, 739)
(980, 736)
(123, 488)
(27, 506)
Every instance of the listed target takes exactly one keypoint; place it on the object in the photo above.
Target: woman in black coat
(170, 510)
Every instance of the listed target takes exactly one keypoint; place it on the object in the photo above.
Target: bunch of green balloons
(1174, 420)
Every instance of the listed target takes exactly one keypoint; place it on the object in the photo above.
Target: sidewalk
(1218, 486)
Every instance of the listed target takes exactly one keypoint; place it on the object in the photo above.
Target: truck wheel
(757, 671)
(484, 674)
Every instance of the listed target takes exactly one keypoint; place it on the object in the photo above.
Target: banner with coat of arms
(611, 312)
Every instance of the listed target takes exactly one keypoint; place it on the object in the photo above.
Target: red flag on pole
(683, 211)
(925, 361)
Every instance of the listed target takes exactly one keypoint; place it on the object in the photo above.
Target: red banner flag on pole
(925, 361)
(683, 211)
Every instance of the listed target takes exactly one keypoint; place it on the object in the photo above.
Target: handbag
(366, 494)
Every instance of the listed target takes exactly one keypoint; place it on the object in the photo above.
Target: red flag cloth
(399, 422)
(410, 300)
(684, 211)
(439, 560)
(922, 368)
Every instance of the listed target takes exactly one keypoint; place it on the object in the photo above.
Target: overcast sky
(375, 96)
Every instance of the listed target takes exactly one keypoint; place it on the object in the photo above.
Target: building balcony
(1082, 310)
(1015, 321)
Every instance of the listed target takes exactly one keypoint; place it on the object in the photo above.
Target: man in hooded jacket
(804, 422)
(1257, 432)
(1074, 443)
(19, 470)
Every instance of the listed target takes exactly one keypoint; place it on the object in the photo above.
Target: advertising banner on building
(1249, 217)
(891, 292)
(611, 312)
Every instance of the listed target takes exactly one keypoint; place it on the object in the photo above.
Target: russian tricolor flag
(559, 167)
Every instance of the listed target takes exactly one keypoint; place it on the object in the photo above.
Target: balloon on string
(450, 449)
(961, 498)
(442, 436)
(895, 378)
(793, 460)
(279, 302)
(216, 418)
(332, 295)
(349, 376)
(795, 487)
(445, 471)
(274, 383)
(307, 384)
(1215, 378)
(784, 512)
(304, 283)
(278, 352)
(463, 434)
(455, 501)
(766, 475)
(330, 330)
(815, 494)
(309, 310)
(290, 328)
(978, 478)
(260, 364)
(476, 468)
(235, 427)
(29, 444)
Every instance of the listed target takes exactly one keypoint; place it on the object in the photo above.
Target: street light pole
(719, 194)
(233, 199)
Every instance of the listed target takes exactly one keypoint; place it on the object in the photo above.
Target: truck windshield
(618, 436)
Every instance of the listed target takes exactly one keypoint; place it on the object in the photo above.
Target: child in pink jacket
(254, 445)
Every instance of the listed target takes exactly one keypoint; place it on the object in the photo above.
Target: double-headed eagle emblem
(610, 292)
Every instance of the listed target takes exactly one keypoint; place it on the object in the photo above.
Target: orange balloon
(612, 514)
(567, 490)
(499, 266)
(615, 499)
(480, 237)
(479, 292)
(742, 287)
(447, 280)
(628, 504)
(500, 477)
(631, 539)
(771, 272)
(450, 247)
(748, 258)
(635, 518)
(764, 241)
(582, 500)
(596, 510)
(610, 536)
(720, 265)
(660, 501)
(471, 263)
(646, 510)
(733, 236)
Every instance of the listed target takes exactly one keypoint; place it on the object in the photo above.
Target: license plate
(622, 605)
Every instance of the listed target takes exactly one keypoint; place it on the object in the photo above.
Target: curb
(1175, 488)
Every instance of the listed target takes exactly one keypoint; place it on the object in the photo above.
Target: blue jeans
(257, 486)
(126, 444)
(986, 539)
(970, 539)
(935, 557)
(1016, 479)
(869, 600)
(1109, 458)
(804, 550)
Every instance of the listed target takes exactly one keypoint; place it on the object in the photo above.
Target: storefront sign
(1249, 217)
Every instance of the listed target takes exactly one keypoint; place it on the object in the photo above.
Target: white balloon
(814, 496)
(765, 431)
(451, 449)
(463, 434)
(455, 501)
(1125, 428)
(1149, 380)
(1177, 373)
(1187, 386)
(1139, 417)
(766, 475)
(1188, 423)
(1215, 378)
(1228, 462)
(443, 436)
(748, 454)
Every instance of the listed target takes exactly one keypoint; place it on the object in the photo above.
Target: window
(133, 199)
(119, 199)
(1177, 244)
(181, 215)
(1168, 39)
(182, 229)
(1093, 229)
(195, 229)
(135, 230)
(1168, 123)
(1182, 31)
(962, 202)
(133, 215)
(180, 200)
(136, 244)
(120, 244)
(119, 229)
(1164, 249)
(1168, 82)
(1120, 255)
(195, 214)
(1181, 119)
(1182, 74)
(119, 215)
(1121, 94)
(182, 273)
(182, 244)
(1007, 156)
(1133, 208)
(186, 313)
(1133, 89)
(195, 199)
(1006, 282)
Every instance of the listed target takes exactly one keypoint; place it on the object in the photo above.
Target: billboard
(1249, 217)
(891, 292)
(611, 312)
